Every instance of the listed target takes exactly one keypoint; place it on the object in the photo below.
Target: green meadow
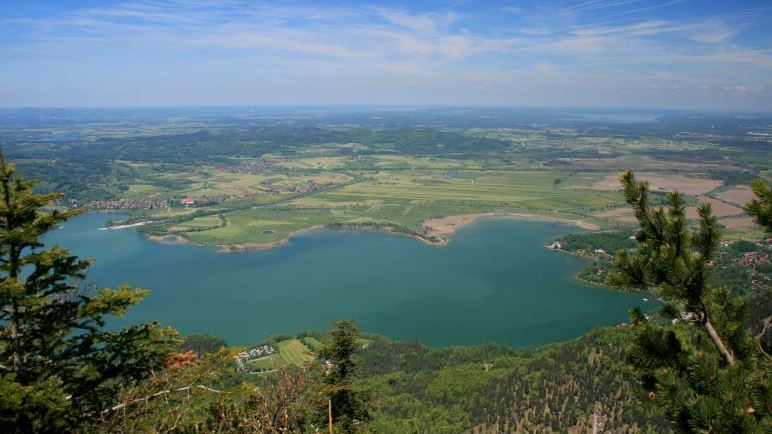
(289, 352)
(261, 201)
(399, 198)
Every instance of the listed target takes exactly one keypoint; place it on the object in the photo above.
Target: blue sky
(615, 53)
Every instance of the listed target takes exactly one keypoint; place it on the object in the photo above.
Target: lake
(494, 282)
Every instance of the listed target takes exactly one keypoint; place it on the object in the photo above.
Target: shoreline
(126, 226)
(443, 228)
(600, 285)
(439, 231)
(243, 247)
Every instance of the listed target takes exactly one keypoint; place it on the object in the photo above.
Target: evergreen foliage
(704, 370)
(349, 402)
(760, 208)
(206, 394)
(201, 343)
(495, 389)
(610, 241)
(58, 365)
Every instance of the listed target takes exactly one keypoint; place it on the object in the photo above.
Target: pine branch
(767, 323)
(728, 356)
(157, 394)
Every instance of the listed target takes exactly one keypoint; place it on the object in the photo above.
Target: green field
(261, 201)
(401, 199)
(290, 352)
(312, 342)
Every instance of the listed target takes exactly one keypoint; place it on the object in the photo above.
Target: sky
(668, 54)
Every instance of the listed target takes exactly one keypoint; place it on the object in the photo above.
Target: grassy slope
(290, 352)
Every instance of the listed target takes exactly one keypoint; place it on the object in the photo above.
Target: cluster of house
(253, 353)
(599, 252)
(753, 258)
(145, 203)
(126, 204)
(247, 167)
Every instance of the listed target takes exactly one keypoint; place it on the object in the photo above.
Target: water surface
(493, 282)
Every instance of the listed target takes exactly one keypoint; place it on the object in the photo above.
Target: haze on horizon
(685, 54)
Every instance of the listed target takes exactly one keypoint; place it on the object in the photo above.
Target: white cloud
(712, 32)
(388, 45)
(418, 22)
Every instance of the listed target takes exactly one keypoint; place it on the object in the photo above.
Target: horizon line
(387, 106)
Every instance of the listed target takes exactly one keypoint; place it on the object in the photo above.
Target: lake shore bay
(439, 231)
(465, 293)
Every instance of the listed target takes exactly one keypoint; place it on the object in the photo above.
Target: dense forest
(492, 389)
(215, 144)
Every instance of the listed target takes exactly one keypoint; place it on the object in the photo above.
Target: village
(251, 354)
(149, 203)
(246, 167)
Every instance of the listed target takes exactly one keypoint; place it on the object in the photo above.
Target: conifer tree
(58, 364)
(760, 208)
(702, 368)
(349, 403)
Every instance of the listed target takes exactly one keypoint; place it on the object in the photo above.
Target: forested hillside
(490, 389)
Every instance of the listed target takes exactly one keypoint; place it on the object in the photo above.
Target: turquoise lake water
(493, 283)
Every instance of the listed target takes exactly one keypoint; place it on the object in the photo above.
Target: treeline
(216, 144)
(610, 242)
(85, 180)
(91, 170)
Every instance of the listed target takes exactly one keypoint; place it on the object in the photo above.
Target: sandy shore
(443, 228)
(130, 225)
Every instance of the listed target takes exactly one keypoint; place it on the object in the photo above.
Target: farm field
(312, 342)
(290, 352)
(738, 195)
(279, 197)
(254, 187)
(400, 200)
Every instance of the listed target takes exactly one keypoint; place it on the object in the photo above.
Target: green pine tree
(58, 365)
(760, 208)
(349, 402)
(702, 369)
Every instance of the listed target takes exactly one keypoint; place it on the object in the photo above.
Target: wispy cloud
(599, 42)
